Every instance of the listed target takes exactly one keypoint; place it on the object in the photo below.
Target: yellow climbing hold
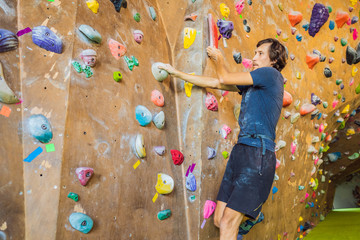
(353, 2)
(350, 132)
(300, 219)
(298, 75)
(189, 37)
(320, 172)
(285, 38)
(354, 71)
(346, 109)
(325, 125)
(93, 5)
(326, 148)
(188, 86)
(225, 11)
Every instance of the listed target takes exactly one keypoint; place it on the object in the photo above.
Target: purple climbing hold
(315, 100)
(160, 150)
(225, 28)
(211, 152)
(191, 182)
(47, 39)
(8, 41)
(319, 16)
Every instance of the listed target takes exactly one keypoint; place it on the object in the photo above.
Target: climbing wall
(94, 125)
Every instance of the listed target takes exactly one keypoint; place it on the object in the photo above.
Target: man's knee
(217, 221)
(228, 223)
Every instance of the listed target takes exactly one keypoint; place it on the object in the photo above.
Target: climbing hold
(354, 156)
(295, 117)
(162, 215)
(247, 29)
(353, 2)
(93, 5)
(249, 2)
(312, 60)
(139, 147)
(301, 188)
(275, 190)
(225, 28)
(331, 59)
(211, 152)
(354, 20)
(81, 222)
(89, 57)
(191, 182)
(189, 36)
(293, 30)
(350, 132)
(354, 71)
(280, 6)
(224, 10)
(299, 37)
(285, 37)
(152, 13)
(138, 36)
(239, 6)
(209, 208)
(117, 76)
(319, 16)
(159, 74)
(143, 115)
(73, 196)
(6, 94)
(177, 157)
(292, 56)
(346, 109)
(351, 9)
(278, 32)
(213, 32)
(157, 98)
(287, 114)
(84, 174)
(237, 57)
(247, 63)
(225, 154)
(305, 26)
(315, 139)
(211, 102)
(307, 108)
(295, 18)
(131, 62)
(8, 40)
(334, 103)
(357, 90)
(327, 72)
(159, 120)
(281, 144)
(117, 50)
(188, 86)
(40, 128)
(333, 157)
(137, 17)
(338, 81)
(341, 18)
(331, 25)
(343, 42)
(355, 34)
(118, 4)
(165, 184)
(315, 100)
(225, 131)
(47, 39)
(191, 17)
(160, 150)
(89, 34)
(329, 9)
(287, 99)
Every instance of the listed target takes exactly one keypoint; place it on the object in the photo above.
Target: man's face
(261, 58)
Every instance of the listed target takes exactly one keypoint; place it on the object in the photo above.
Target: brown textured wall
(119, 198)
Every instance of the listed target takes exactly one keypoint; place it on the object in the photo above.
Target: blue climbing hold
(274, 190)
(143, 115)
(306, 26)
(299, 37)
(331, 25)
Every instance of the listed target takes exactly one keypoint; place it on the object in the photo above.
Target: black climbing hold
(249, 2)
(118, 4)
(354, 20)
(357, 122)
(237, 57)
(247, 29)
(327, 72)
(244, 21)
(322, 58)
(357, 60)
(351, 55)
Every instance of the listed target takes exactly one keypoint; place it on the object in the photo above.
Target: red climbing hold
(312, 60)
(307, 108)
(287, 100)
(177, 157)
(341, 18)
(213, 32)
(84, 174)
(295, 18)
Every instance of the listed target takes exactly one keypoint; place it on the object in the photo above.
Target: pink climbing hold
(247, 63)
(240, 6)
(277, 163)
(355, 34)
(210, 102)
(307, 108)
(306, 195)
(293, 147)
(334, 103)
(349, 22)
(209, 209)
(225, 131)
(84, 174)
(321, 127)
(316, 160)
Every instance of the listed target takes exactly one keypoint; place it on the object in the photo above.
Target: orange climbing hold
(312, 60)
(295, 18)
(341, 18)
(306, 108)
(287, 100)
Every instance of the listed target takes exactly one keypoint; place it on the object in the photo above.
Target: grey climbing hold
(40, 128)
(159, 74)
(327, 72)
(160, 150)
(159, 120)
(89, 34)
(237, 57)
(6, 94)
(351, 55)
(152, 13)
(211, 152)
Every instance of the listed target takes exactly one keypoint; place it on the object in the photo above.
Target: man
(250, 170)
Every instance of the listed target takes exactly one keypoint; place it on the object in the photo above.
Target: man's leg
(219, 212)
(229, 224)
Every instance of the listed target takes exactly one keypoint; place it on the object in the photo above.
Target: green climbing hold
(332, 48)
(137, 17)
(329, 9)
(131, 62)
(322, 218)
(357, 90)
(87, 71)
(343, 42)
(325, 104)
(339, 96)
(225, 154)
(342, 125)
(73, 196)
(307, 206)
(339, 81)
(323, 135)
(354, 156)
(193, 1)
(117, 76)
(321, 149)
(162, 215)
(77, 66)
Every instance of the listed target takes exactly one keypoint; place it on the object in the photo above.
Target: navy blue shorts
(247, 179)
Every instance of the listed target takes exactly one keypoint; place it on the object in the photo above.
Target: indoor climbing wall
(101, 115)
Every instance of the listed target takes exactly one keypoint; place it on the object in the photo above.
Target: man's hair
(277, 52)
